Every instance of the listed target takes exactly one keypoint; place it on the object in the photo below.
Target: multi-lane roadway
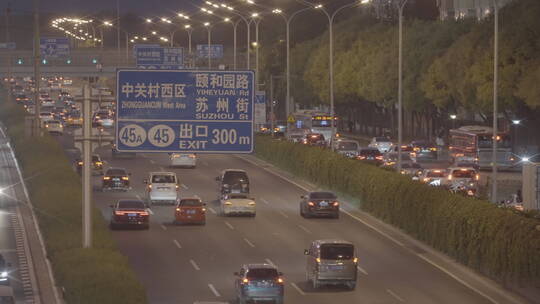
(189, 264)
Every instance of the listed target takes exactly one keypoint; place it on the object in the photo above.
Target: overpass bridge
(85, 63)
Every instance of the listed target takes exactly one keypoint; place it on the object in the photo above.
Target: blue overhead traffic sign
(215, 51)
(185, 111)
(160, 58)
(54, 47)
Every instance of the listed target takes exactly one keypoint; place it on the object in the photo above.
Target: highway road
(189, 264)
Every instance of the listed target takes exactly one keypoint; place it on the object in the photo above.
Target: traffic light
(68, 61)
(20, 61)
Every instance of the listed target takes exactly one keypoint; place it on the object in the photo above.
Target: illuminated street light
(516, 121)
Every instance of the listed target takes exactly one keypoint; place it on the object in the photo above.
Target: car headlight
(4, 274)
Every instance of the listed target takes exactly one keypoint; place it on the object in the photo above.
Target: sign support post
(87, 178)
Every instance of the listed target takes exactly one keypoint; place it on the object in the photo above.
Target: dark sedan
(319, 204)
(370, 155)
(116, 179)
(129, 213)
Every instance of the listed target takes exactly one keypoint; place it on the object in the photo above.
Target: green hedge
(98, 275)
(497, 242)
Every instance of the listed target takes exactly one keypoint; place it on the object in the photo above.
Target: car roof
(162, 173)
(233, 170)
(332, 241)
(462, 168)
(259, 266)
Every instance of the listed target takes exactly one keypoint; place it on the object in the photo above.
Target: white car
(46, 116)
(347, 147)
(382, 143)
(107, 122)
(47, 103)
(183, 160)
(162, 188)
(465, 176)
(54, 127)
(238, 204)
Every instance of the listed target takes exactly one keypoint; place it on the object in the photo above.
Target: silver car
(331, 262)
(162, 188)
(347, 147)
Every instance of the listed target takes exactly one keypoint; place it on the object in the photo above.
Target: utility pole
(495, 102)
(401, 6)
(87, 177)
(118, 28)
(9, 87)
(37, 74)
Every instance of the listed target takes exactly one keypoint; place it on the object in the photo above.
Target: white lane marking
(194, 265)
(264, 201)
(304, 228)
(283, 213)
(184, 186)
(456, 278)
(214, 290)
(270, 262)
(152, 161)
(177, 244)
(249, 243)
(163, 227)
(150, 211)
(373, 228)
(362, 270)
(298, 289)
(229, 225)
(212, 210)
(139, 197)
(380, 232)
(395, 295)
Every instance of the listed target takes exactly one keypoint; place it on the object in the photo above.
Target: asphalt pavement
(188, 264)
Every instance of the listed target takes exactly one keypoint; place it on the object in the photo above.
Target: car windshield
(53, 122)
(463, 173)
(130, 205)
(322, 195)
(337, 252)
(347, 145)
(382, 139)
(262, 273)
(235, 177)
(116, 172)
(190, 203)
(164, 179)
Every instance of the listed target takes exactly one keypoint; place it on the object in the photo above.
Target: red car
(190, 211)
(129, 213)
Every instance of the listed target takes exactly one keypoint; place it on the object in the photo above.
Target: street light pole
(118, 26)
(400, 84)
(235, 26)
(495, 101)
(9, 58)
(209, 29)
(256, 20)
(37, 74)
(189, 31)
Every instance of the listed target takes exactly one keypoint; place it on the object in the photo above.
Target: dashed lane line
(304, 228)
(229, 225)
(177, 244)
(194, 265)
(393, 294)
(214, 290)
(249, 243)
(298, 289)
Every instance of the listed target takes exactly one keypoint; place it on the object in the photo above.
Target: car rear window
(463, 173)
(262, 273)
(337, 252)
(382, 139)
(190, 203)
(370, 152)
(116, 172)
(231, 177)
(435, 174)
(164, 179)
(322, 195)
(131, 205)
(240, 196)
(95, 158)
(348, 146)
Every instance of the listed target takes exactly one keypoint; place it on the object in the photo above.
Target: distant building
(459, 9)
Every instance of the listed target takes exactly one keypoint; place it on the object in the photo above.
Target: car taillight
(335, 204)
(106, 178)
(280, 280)
(192, 156)
(311, 204)
(361, 157)
(177, 187)
(245, 281)
(99, 163)
(450, 177)
(143, 213)
(477, 177)
(119, 213)
(125, 178)
(203, 210)
(80, 163)
(178, 210)
(379, 157)
(149, 188)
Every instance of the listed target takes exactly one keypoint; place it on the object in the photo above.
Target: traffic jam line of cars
(328, 261)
